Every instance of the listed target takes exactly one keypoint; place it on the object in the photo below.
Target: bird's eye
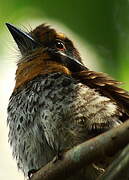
(60, 45)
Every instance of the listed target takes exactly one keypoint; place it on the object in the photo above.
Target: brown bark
(119, 169)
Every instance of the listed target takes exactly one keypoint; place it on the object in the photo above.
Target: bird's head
(44, 51)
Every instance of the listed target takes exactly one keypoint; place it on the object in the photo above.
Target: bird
(57, 102)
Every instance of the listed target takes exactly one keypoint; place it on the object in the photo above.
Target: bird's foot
(59, 156)
(31, 172)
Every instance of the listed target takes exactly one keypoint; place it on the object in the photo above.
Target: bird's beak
(24, 41)
(72, 63)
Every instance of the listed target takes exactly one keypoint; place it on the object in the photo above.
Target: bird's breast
(64, 109)
(69, 110)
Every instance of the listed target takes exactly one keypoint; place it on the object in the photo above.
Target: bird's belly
(54, 113)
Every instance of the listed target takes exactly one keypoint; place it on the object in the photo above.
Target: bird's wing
(106, 86)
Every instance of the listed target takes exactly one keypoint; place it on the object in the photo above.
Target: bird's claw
(59, 156)
(31, 172)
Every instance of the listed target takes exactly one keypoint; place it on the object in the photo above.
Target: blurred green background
(99, 25)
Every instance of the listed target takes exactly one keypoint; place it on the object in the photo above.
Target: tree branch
(119, 169)
(104, 145)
